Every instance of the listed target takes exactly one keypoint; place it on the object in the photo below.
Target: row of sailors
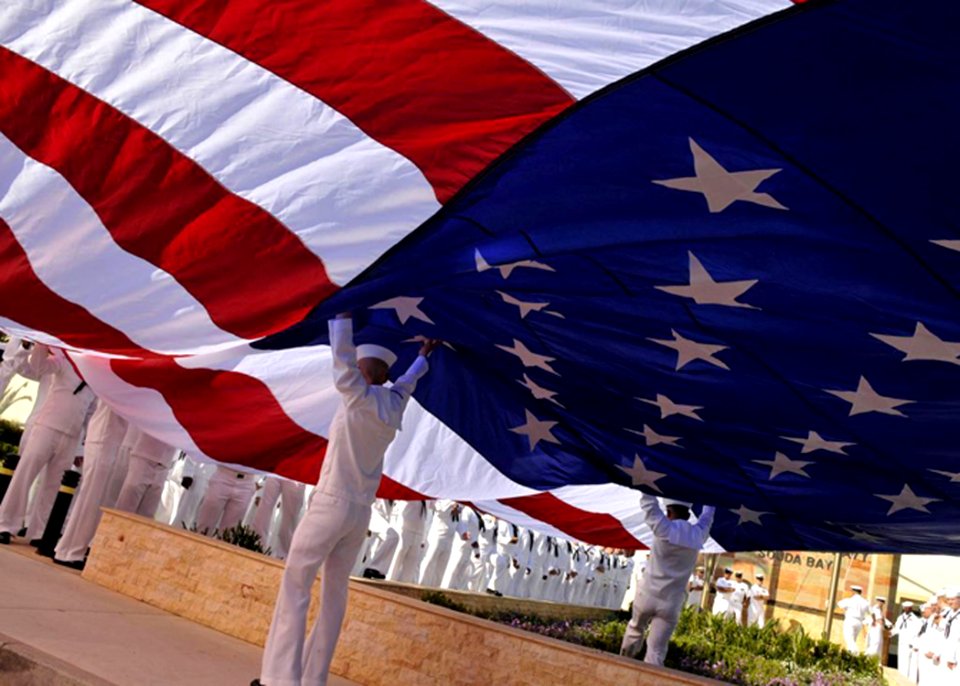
(735, 599)
(928, 644)
(444, 544)
(440, 544)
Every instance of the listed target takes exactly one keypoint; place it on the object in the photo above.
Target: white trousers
(98, 463)
(405, 567)
(437, 556)
(851, 632)
(47, 448)
(328, 537)
(655, 618)
(290, 495)
(500, 578)
(143, 486)
(225, 503)
(460, 568)
(874, 640)
(383, 550)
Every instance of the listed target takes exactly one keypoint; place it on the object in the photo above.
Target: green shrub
(10, 433)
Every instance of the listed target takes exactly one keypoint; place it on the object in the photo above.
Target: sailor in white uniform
(725, 587)
(695, 587)
(104, 433)
(228, 495)
(856, 610)
(147, 465)
(412, 520)
(660, 595)
(905, 629)
(54, 439)
(333, 530)
(290, 494)
(876, 625)
(440, 538)
(757, 607)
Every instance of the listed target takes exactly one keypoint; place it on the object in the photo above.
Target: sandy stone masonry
(387, 638)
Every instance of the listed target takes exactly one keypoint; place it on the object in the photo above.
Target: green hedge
(717, 648)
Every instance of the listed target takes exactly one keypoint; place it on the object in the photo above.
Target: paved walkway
(124, 642)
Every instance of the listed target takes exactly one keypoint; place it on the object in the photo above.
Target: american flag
(706, 249)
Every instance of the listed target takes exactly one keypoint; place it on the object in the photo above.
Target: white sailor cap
(667, 502)
(907, 603)
(727, 570)
(858, 589)
(760, 575)
(376, 351)
(942, 593)
(880, 599)
(952, 592)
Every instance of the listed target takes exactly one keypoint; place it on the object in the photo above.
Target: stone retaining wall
(387, 639)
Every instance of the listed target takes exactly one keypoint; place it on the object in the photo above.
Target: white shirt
(64, 408)
(673, 554)
(364, 424)
(855, 608)
(146, 447)
(758, 594)
(106, 426)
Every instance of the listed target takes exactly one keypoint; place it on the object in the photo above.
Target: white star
(507, 269)
(536, 430)
(923, 345)
(953, 476)
(863, 536)
(529, 359)
(907, 500)
(948, 244)
(781, 464)
(688, 350)
(748, 515)
(813, 441)
(668, 407)
(720, 187)
(705, 291)
(651, 437)
(525, 307)
(865, 399)
(538, 392)
(641, 476)
(405, 307)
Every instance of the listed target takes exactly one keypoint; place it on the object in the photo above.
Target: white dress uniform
(856, 610)
(332, 531)
(661, 593)
(290, 495)
(384, 538)
(721, 602)
(947, 670)
(53, 443)
(412, 520)
(147, 465)
(875, 626)
(928, 643)
(199, 472)
(756, 610)
(695, 586)
(104, 433)
(440, 538)
(506, 540)
(905, 629)
(461, 566)
(228, 495)
(522, 570)
(14, 359)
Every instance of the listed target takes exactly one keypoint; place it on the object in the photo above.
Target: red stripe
(231, 417)
(29, 302)
(251, 273)
(598, 529)
(417, 80)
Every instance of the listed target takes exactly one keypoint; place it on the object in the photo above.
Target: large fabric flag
(705, 249)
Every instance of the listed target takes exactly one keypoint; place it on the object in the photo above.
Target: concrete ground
(52, 621)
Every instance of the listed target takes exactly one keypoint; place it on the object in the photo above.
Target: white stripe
(12, 328)
(144, 407)
(588, 44)
(430, 458)
(346, 196)
(73, 254)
